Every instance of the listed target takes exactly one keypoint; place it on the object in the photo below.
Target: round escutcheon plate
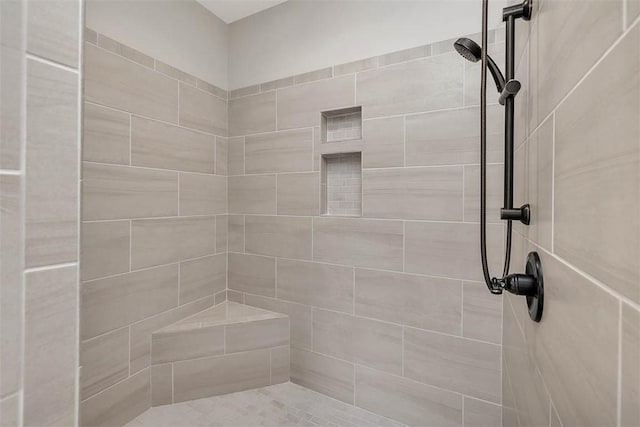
(535, 302)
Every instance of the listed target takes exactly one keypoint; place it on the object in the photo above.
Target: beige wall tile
(164, 146)
(394, 90)
(161, 385)
(202, 277)
(170, 71)
(107, 304)
(115, 192)
(256, 335)
(118, 404)
(235, 296)
(312, 283)
(123, 50)
(633, 10)
(495, 193)
(478, 413)
(160, 241)
(353, 67)
(235, 163)
(630, 411)
(313, 76)
(405, 55)
(104, 249)
(249, 90)
(384, 142)
(413, 193)
(323, 374)
(299, 317)
(452, 137)
(202, 194)
(52, 29)
(52, 162)
(472, 71)
(360, 242)
(104, 361)
(285, 151)
(222, 233)
(221, 297)
(450, 249)
(362, 341)
(592, 177)
(278, 236)
(186, 344)
(301, 105)
(298, 194)
(114, 81)
(457, 364)
(222, 155)
(50, 333)
(253, 274)
(10, 411)
(540, 184)
(105, 135)
(408, 299)
(276, 84)
(252, 114)
(405, 400)
(252, 194)
(236, 233)
(280, 361)
(482, 312)
(202, 111)
(194, 379)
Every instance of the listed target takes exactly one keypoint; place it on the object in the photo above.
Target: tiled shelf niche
(342, 125)
(341, 184)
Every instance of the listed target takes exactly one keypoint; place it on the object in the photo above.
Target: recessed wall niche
(341, 184)
(342, 125)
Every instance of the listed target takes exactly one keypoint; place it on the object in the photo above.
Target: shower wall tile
(105, 135)
(452, 137)
(592, 177)
(495, 193)
(298, 194)
(472, 72)
(413, 193)
(202, 277)
(253, 274)
(458, 364)
(481, 313)
(478, 413)
(276, 84)
(235, 163)
(202, 194)
(359, 242)
(630, 412)
(256, 335)
(222, 233)
(162, 384)
(117, 192)
(52, 30)
(111, 303)
(10, 411)
(278, 236)
(170, 71)
(313, 76)
(164, 146)
(280, 364)
(125, 51)
(323, 374)
(161, 241)
(406, 400)
(355, 66)
(119, 83)
(249, 90)
(187, 344)
(285, 151)
(222, 155)
(52, 160)
(202, 111)
(252, 194)
(408, 299)
(252, 114)
(300, 106)
(236, 233)
(394, 90)
(384, 142)
(104, 361)
(104, 249)
(633, 10)
(404, 55)
(540, 169)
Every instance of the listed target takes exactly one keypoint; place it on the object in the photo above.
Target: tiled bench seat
(227, 348)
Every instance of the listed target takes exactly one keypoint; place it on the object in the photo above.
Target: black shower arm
(498, 78)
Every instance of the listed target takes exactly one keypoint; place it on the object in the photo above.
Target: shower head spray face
(468, 49)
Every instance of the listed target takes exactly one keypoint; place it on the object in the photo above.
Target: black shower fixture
(531, 283)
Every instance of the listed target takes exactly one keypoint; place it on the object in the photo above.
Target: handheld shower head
(468, 49)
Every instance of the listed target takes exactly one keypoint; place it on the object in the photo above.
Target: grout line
(553, 182)
(619, 370)
(52, 63)
(50, 267)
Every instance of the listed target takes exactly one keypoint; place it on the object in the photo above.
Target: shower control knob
(520, 284)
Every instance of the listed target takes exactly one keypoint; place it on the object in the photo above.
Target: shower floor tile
(278, 405)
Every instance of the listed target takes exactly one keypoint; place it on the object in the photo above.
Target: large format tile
(52, 161)
(457, 364)
(253, 274)
(284, 151)
(495, 193)
(405, 400)
(409, 299)
(222, 233)
(481, 312)
(359, 242)
(321, 285)
(383, 142)
(298, 194)
(301, 105)
(630, 410)
(478, 413)
(50, 334)
(104, 249)
(252, 114)
(114, 81)
(591, 177)
(236, 233)
(105, 135)
(202, 194)
(247, 336)
(280, 364)
(395, 89)
(222, 155)
(323, 374)
(161, 145)
(235, 161)
(413, 193)
(540, 184)
(202, 277)
(104, 361)
(252, 194)
(284, 236)
(117, 301)
(53, 31)
(162, 384)
(299, 317)
(202, 111)
(161, 241)
(186, 344)
(10, 411)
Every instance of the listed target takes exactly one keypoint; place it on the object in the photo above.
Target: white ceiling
(232, 10)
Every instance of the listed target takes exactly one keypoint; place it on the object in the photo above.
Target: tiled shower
(175, 244)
